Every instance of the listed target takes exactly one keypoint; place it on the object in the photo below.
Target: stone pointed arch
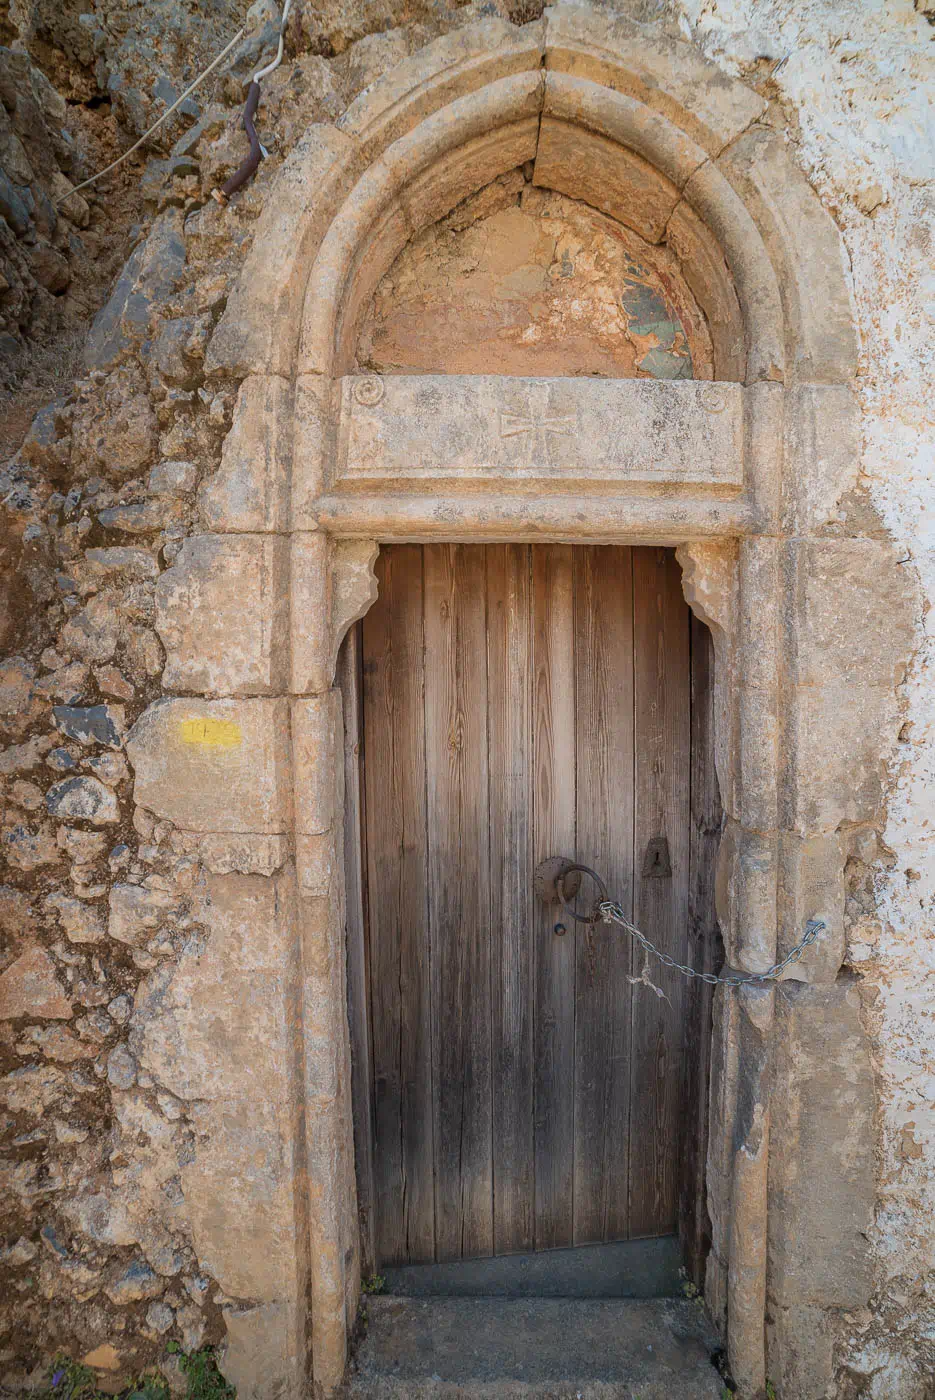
(651, 133)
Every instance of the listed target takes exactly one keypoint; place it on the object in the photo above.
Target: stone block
(83, 799)
(763, 405)
(821, 1149)
(745, 890)
(807, 252)
(172, 478)
(132, 563)
(250, 489)
(584, 165)
(222, 615)
(215, 765)
(271, 289)
(822, 453)
(438, 74)
(811, 886)
(801, 1342)
(81, 921)
(226, 853)
(317, 753)
(263, 1355)
(838, 736)
(315, 860)
(312, 447)
(758, 620)
(30, 987)
(311, 586)
(854, 612)
(136, 912)
(91, 724)
(219, 1028)
(669, 76)
(758, 758)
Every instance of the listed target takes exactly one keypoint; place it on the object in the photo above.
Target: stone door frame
(254, 611)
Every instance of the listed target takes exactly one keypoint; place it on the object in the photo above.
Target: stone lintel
(497, 430)
(651, 517)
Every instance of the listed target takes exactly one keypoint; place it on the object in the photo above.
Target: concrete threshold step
(535, 1349)
(628, 1269)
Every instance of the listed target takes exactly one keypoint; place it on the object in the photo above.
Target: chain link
(612, 913)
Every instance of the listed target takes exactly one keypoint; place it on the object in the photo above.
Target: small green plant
(770, 1390)
(376, 1283)
(149, 1388)
(69, 1380)
(205, 1381)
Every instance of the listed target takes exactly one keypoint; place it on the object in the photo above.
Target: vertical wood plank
(704, 953)
(350, 661)
(554, 835)
(459, 885)
(604, 721)
(400, 954)
(509, 708)
(661, 788)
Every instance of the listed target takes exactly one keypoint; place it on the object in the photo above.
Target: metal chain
(612, 913)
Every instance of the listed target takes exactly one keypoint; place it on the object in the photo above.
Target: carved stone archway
(741, 475)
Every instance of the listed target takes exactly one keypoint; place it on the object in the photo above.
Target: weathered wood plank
(554, 835)
(459, 885)
(525, 1095)
(661, 788)
(704, 953)
(400, 988)
(604, 723)
(349, 679)
(512, 913)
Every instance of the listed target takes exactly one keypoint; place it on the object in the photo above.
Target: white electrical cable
(165, 116)
(271, 67)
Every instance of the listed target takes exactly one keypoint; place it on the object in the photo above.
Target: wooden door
(526, 1089)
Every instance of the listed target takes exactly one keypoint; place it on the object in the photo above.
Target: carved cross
(537, 424)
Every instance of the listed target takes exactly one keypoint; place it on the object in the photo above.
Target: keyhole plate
(656, 862)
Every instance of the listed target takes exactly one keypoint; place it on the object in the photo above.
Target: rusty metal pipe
(242, 174)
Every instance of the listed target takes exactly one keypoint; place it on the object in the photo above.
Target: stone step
(649, 1268)
(535, 1349)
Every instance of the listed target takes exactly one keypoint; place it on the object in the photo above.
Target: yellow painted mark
(211, 733)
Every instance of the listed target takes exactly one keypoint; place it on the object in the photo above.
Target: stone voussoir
(807, 254)
(251, 337)
(667, 75)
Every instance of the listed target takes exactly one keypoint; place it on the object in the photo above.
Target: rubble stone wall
(144, 991)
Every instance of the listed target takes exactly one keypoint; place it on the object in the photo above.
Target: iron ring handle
(593, 917)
